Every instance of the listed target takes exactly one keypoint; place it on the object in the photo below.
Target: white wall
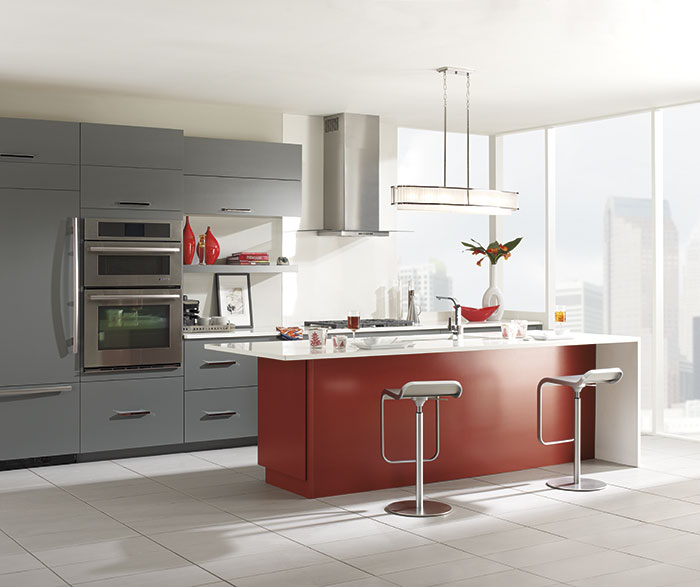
(336, 274)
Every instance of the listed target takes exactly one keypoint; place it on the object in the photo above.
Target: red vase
(188, 243)
(212, 248)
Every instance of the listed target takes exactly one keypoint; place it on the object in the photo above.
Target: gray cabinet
(131, 146)
(211, 369)
(236, 178)
(131, 413)
(126, 188)
(252, 159)
(220, 414)
(39, 141)
(39, 421)
(232, 196)
(36, 237)
(39, 176)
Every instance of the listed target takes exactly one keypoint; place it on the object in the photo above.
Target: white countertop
(299, 350)
(467, 327)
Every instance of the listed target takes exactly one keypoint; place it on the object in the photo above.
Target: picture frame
(235, 299)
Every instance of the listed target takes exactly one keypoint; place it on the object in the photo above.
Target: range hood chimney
(351, 176)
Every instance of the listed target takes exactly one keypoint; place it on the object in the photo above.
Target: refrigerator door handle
(76, 285)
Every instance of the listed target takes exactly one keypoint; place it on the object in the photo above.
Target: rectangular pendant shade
(451, 199)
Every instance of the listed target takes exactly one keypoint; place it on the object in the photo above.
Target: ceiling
(535, 62)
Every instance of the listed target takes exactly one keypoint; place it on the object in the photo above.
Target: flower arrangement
(494, 251)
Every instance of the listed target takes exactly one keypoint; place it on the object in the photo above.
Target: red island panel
(319, 420)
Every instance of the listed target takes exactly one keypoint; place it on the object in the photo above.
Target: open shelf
(240, 268)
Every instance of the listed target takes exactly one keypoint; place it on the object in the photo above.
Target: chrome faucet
(456, 326)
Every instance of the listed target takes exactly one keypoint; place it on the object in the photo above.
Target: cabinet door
(39, 176)
(131, 413)
(232, 196)
(36, 240)
(211, 369)
(219, 414)
(39, 421)
(39, 141)
(126, 188)
(242, 159)
(131, 146)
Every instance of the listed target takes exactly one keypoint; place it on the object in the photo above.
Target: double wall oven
(132, 277)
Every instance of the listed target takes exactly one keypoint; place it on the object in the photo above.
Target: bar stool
(576, 383)
(420, 392)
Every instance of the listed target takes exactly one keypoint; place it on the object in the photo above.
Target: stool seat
(420, 392)
(576, 383)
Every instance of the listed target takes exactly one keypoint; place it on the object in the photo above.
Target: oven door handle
(98, 298)
(96, 249)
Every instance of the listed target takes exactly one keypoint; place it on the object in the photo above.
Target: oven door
(132, 264)
(132, 328)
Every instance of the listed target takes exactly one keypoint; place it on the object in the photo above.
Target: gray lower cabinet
(234, 196)
(36, 238)
(131, 146)
(39, 141)
(212, 369)
(232, 158)
(39, 420)
(125, 188)
(131, 413)
(220, 414)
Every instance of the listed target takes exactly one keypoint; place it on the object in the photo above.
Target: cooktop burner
(364, 323)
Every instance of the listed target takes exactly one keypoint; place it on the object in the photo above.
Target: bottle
(201, 248)
(412, 314)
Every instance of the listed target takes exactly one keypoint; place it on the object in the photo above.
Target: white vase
(493, 296)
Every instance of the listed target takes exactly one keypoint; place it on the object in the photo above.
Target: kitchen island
(319, 413)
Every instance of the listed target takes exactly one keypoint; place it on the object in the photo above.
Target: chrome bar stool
(576, 383)
(420, 392)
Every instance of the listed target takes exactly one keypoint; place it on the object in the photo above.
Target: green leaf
(512, 244)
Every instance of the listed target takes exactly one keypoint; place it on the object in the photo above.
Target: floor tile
(543, 553)
(587, 525)
(368, 582)
(190, 576)
(514, 578)
(590, 565)
(445, 572)
(661, 511)
(649, 576)
(315, 576)
(408, 558)
(364, 545)
(631, 535)
(668, 550)
(500, 541)
(36, 578)
(13, 563)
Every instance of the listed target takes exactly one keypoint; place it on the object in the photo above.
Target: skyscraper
(584, 306)
(429, 280)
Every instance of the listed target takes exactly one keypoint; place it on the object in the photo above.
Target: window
(430, 253)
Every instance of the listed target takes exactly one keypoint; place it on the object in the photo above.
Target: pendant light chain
(468, 105)
(444, 128)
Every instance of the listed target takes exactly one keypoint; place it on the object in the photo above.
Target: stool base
(408, 507)
(585, 484)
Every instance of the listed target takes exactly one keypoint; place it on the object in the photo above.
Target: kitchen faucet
(456, 326)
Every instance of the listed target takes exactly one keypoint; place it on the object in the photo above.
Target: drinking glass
(353, 321)
(559, 318)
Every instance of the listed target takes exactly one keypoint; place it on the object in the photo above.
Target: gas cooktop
(364, 323)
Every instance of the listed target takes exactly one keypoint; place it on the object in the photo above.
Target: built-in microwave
(132, 253)
(132, 328)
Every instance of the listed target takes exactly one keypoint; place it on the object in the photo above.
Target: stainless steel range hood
(351, 176)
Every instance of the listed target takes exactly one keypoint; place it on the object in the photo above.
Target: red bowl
(478, 314)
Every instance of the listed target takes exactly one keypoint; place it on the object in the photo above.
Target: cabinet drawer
(39, 141)
(39, 421)
(218, 414)
(242, 158)
(131, 414)
(211, 369)
(231, 196)
(39, 176)
(131, 146)
(131, 189)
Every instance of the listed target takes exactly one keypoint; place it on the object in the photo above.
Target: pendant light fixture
(467, 200)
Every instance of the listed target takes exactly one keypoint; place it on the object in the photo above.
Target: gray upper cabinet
(252, 159)
(39, 176)
(226, 177)
(131, 146)
(37, 240)
(39, 141)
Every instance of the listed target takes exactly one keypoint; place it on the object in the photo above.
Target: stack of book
(248, 258)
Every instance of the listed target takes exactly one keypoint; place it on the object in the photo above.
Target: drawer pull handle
(132, 413)
(35, 390)
(142, 204)
(237, 210)
(222, 414)
(18, 155)
(220, 363)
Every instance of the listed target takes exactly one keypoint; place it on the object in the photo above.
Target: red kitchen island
(319, 413)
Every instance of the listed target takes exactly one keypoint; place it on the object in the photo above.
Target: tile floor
(207, 518)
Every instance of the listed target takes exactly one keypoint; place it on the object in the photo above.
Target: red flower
(479, 261)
